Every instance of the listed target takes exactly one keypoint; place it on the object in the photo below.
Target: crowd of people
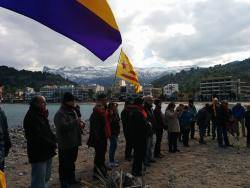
(143, 123)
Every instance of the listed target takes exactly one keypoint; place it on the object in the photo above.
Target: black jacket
(5, 142)
(68, 131)
(223, 117)
(41, 142)
(97, 133)
(115, 124)
(159, 120)
(247, 119)
(139, 126)
(125, 115)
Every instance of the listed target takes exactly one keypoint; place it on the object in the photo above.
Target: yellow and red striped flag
(126, 71)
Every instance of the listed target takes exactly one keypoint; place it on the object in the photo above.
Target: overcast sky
(165, 33)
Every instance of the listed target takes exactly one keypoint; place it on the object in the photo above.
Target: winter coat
(151, 120)
(172, 121)
(159, 119)
(5, 143)
(247, 119)
(126, 112)
(68, 131)
(223, 117)
(238, 112)
(203, 117)
(139, 125)
(193, 111)
(185, 120)
(41, 142)
(115, 124)
(97, 133)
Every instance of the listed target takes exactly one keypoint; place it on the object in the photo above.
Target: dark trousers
(181, 134)
(172, 141)
(192, 129)
(99, 160)
(214, 127)
(222, 135)
(157, 150)
(2, 165)
(67, 158)
(129, 147)
(202, 130)
(248, 136)
(112, 148)
(185, 138)
(139, 155)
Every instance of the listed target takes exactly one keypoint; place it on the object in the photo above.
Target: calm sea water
(16, 112)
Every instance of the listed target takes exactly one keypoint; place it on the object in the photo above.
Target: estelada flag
(126, 71)
(90, 23)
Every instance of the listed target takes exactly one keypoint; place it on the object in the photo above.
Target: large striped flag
(126, 71)
(89, 22)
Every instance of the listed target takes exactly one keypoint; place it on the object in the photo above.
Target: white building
(97, 89)
(169, 89)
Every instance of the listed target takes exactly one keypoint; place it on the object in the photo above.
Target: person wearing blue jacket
(185, 119)
(238, 113)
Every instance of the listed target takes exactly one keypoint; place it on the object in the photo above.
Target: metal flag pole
(115, 74)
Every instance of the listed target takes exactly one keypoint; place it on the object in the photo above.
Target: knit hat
(68, 97)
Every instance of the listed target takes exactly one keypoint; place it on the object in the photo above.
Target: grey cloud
(221, 27)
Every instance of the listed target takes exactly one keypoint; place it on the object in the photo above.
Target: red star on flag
(124, 65)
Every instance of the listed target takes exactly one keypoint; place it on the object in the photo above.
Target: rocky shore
(197, 166)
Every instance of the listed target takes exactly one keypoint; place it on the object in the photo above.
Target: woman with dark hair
(41, 142)
(114, 119)
(172, 121)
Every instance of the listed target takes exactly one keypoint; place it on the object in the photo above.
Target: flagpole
(115, 74)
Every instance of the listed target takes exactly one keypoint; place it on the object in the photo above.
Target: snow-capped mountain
(105, 75)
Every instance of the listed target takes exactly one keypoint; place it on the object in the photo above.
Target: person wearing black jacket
(247, 123)
(139, 124)
(159, 125)
(127, 129)
(68, 131)
(100, 132)
(41, 142)
(5, 143)
(223, 117)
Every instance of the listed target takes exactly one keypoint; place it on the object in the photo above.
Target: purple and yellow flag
(88, 22)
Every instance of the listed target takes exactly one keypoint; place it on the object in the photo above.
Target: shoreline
(199, 166)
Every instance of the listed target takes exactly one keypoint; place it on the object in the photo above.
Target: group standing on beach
(143, 126)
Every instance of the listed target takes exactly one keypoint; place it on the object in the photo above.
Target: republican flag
(126, 71)
(88, 22)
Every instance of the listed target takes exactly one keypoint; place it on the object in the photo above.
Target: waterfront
(16, 112)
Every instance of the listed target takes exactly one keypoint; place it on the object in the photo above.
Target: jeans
(222, 135)
(40, 174)
(214, 127)
(172, 141)
(112, 148)
(185, 137)
(67, 158)
(192, 129)
(202, 129)
(149, 149)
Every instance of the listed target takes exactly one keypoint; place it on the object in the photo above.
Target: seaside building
(29, 93)
(148, 90)
(170, 89)
(227, 87)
